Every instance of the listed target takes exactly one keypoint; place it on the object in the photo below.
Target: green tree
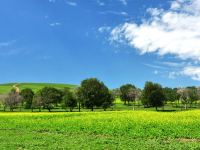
(27, 97)
(192, 95)
(170, 94)
(128, 93)
(50, 96)
(69, 100)
(157, 98)
(149, 97)
(94, 93)
(79, 97)
(37, 101)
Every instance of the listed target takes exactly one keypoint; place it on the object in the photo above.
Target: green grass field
(5, 88)
(101, 130)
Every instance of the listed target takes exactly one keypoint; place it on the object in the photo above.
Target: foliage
(153, 95)
(27, 97)
(157, 98)
(37, 101)
(170, 94)
(128, 93)
(49, 97)
(69, 99)
(93, 93)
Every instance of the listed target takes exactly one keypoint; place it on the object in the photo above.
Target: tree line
(93, 93)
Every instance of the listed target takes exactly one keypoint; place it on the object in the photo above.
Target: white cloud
(71, 3)
(55, 24)
(124, 2)
(192, 72)
(175, 31)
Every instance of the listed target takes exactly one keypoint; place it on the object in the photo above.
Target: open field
(101, 130)
(5, 88)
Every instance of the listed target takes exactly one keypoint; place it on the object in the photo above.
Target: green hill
(5, 88)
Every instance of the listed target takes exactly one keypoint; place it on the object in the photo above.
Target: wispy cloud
(124, 2)
(71, 3)
(52, 1)
(55, 24)
(154, 66)
(122, 13)
(100, 3)
(6, 44)
(104, 29)
(10, 48)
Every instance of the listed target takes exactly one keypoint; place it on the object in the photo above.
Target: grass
(101, 130)
(5, 88)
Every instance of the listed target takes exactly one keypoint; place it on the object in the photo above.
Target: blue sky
(65, 41)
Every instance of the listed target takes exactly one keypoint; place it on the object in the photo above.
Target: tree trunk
(156, 108)
(79, 106)
(185, 106)
(92, 108)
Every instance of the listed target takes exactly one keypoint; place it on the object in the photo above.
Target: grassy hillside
(100, 130)
(5, 88)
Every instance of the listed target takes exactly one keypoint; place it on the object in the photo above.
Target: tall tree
(170, 94)
(94, 93)
(128, 93)
(27, 97)
(153, 95)
(69, 100)
(37, 101)
(50, 96)
(157, 98)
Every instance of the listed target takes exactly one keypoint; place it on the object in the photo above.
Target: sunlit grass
(139, 125)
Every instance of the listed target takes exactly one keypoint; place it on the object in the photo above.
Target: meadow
(5, 88)
(101, 130)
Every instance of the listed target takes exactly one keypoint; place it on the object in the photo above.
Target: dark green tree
(149, 97)
(69, 100)
(128, 93)
(37, 101)
(50, 97)
(171, 95)
(27, 97)
(94, 93)
(157, 98)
